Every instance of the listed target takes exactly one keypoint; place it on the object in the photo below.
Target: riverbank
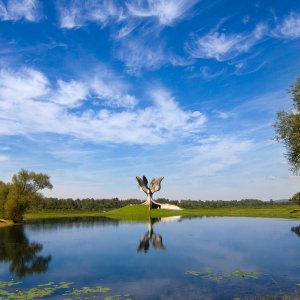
(141, 213)
(4, 223)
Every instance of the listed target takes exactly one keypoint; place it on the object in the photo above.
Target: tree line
(87, 204)
(91, 204)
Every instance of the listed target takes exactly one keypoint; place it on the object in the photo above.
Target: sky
(96, 92)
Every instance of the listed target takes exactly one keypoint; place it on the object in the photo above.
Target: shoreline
(5, 223)
(142, 213)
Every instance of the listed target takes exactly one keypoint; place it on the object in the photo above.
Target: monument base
(156, 205)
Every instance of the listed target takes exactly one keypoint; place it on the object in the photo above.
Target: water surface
(195, 258)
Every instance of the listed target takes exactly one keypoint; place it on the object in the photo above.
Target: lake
(168, 258)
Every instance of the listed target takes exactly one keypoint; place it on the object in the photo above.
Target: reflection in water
(156, 239)
(296, 230)
(21, 253)
(69, 222)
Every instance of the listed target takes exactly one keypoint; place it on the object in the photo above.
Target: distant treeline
(91, 204)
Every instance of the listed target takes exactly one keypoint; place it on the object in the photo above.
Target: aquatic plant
(217, 276)
(62, 289)
(280, 296)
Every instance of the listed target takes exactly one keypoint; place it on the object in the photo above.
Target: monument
(154, 187)
(150, 190)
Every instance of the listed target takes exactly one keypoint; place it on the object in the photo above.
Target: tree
(287, 128)
(296, 198)
(16, 197)
(4, 190)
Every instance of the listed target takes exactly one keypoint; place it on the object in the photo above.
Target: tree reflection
(156, 239)
(21, 253)
(296, 230)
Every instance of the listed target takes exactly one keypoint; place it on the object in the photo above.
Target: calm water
(140, 261)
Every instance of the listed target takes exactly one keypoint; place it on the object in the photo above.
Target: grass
(62, 214)
(141, 213)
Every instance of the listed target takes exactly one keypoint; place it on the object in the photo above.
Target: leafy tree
(296, 198)
(4, 189)
(288, 129)
(22, 192)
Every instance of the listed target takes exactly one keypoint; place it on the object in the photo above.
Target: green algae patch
(46, 284)
(4, 284)
(41, 291)
(86, 290)
(217, 276)
(63, 290)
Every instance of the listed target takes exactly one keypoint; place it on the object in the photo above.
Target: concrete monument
(153, 187)
(150, 190)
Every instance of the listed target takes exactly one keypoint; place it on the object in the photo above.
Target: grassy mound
(139, 213)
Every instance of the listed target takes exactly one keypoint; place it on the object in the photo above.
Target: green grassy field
(141, 213)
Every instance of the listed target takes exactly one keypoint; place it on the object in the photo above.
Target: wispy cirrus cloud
(222, 46)
(15, 10)
(147, 53)
(140, 53)
(167, 12)
(135, 27)
(42, 113)
(215, 154)
(207, 74)
(77, 13)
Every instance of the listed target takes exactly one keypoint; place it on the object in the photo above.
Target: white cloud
(15, 84)
(15, 10)
(103, 88)
(146, 52)
(112, 90)
(222, 115)
(222, 46)
(289, 28)
(225, 46)
(215, 154)
(70, 94)
(138, 54)
(166, 11)
(207, 74)
(37, 110)
(77, 13)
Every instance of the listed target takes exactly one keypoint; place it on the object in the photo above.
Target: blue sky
(96, 92)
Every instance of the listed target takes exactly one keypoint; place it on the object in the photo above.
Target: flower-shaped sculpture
(153, 187)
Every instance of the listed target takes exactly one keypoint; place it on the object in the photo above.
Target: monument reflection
(150, 236)
(21, 254)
